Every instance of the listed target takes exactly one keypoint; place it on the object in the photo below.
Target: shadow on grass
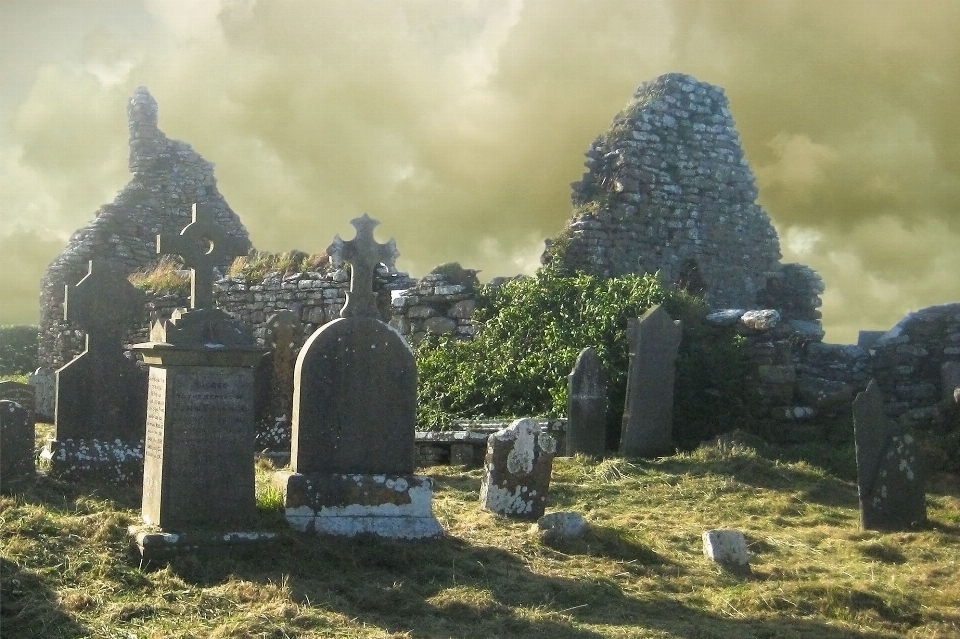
(65, 495)
(28, 608)
(449, 588)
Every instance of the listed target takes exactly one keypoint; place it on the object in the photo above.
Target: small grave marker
(23, 394)
(16, 442)
(516, 471)
(587, 406)
(648, 414)
(889, 478)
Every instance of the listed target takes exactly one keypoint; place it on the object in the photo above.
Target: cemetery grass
(639, 572)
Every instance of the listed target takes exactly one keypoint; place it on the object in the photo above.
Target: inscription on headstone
(16, 442)
(648, 414)
(587, 406)
(889, 478)
(23, 394)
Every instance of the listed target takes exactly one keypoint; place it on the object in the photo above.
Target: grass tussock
(257, 264)
(168, 275)
(638, 572)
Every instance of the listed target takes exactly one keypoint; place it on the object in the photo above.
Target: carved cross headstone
(105, 305)
(203, 245)
(363, 253)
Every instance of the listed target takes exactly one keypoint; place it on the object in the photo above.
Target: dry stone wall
(168, 178)
(668, 189)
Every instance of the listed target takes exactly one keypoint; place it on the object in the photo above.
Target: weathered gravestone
(275, 382)
(23, 394)
(16, 443)
(648, 413)
(888, 471)
(101, 395)
(199, 477)
(516, 471)
(44, 382)
(587, 406)
(354, 417)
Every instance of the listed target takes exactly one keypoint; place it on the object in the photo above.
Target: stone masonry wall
(168, 178)
(668, 189)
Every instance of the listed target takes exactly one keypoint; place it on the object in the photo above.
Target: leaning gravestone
(100, 395)
(199, 477)
(23, 394)
(354, 417)
(16, 443)
(276, 369)
(44, 382)
(648, 413)
(889, 479)
(587, 406)
(516, 471)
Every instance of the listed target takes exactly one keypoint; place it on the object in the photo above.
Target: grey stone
(866, 339)
(648, 412)
(728, 548)
(826, 395)
(889, 478)
(516, 471)
(463, 309)
(275, 382)
(439, 325)
(808, 329)
(44, 382)
(23, 394)
(761, 321)
(726, 317)
(773, 374)
(16, 442)
(586, 406)
(561, 525)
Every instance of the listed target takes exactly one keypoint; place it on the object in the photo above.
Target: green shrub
(531, 331)
(18, 349)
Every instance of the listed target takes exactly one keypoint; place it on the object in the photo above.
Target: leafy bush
(18, 349)
(531, 331)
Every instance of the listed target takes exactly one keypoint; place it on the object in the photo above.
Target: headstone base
(393, 506)
(76, 459)
(154, 544)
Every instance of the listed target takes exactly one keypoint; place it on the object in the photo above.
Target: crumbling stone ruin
(668, 189)
(168, 178)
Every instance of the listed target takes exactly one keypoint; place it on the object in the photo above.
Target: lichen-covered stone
(517, 470)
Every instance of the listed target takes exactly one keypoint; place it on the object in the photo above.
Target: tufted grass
(639, 572)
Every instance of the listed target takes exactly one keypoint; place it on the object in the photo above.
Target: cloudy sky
(460, 124)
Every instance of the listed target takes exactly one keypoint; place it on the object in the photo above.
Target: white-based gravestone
(728, 548)
(648, 412)
(516, 471)
(354, 417)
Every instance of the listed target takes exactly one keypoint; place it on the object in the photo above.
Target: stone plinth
(392, 506)
(516, 478)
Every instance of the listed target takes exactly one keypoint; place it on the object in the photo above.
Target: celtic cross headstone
(364, 254)
(203, 246)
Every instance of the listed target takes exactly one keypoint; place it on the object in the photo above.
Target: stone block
(728, 548)
(517, 469)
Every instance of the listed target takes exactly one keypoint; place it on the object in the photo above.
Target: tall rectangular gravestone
(16, 443)
(587, 406)
(648, 412)
(889, 476)
(354, 417)
(275, 382)
(100, 400)
(199, 476)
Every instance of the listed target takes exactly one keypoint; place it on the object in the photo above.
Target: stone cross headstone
(16, 442)
(275, 418)
(203, 246)
(199, 453)
(889, 476)
(23, 394)
(101, 395)
(354, 417)
(648, 412)
(516, 471)
(355, 385)
(587, 406)
(44, 382)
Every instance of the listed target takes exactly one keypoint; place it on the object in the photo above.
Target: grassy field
(640, 572)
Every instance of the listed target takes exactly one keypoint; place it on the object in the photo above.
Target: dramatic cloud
(460, 124)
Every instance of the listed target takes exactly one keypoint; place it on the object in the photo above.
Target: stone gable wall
(168, 178)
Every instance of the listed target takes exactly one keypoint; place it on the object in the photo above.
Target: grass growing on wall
(639, 572)
(169, 275)
(256, 264)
